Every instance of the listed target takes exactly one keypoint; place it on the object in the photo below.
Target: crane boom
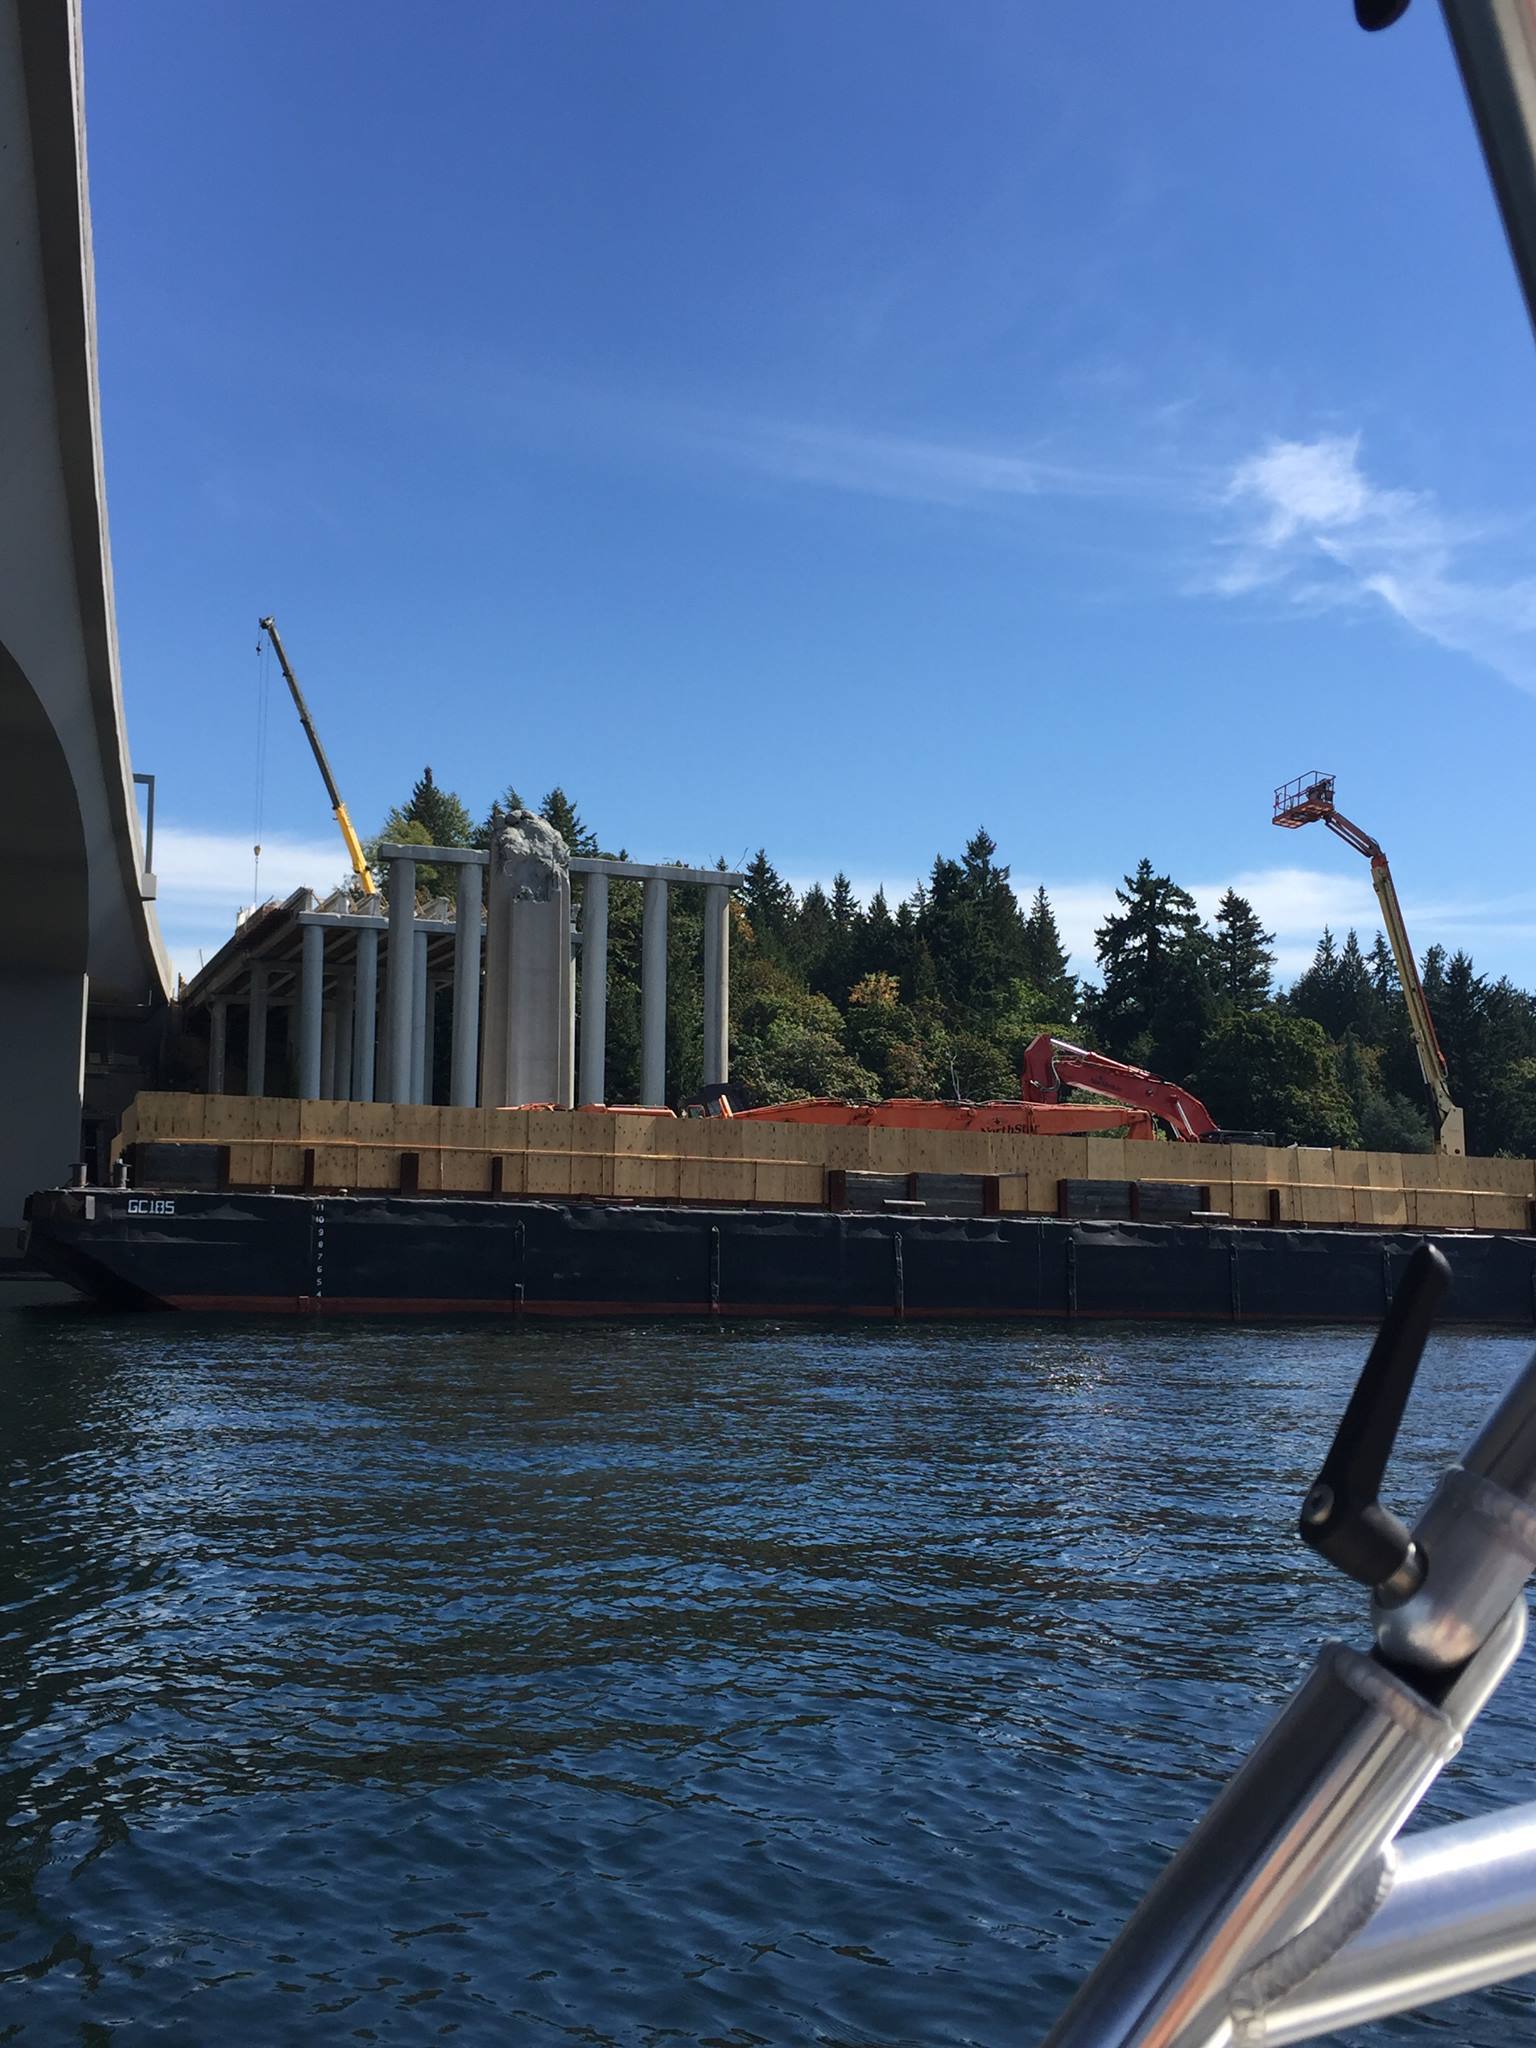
(1309, 798)
(355, 854)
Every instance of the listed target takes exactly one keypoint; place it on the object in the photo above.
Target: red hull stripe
(417, 1305)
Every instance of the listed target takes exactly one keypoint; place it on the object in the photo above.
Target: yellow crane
(360, 866)
(1309, 798)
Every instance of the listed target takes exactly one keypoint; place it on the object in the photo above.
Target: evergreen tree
(1043, 960)
(1314, 993)
(558, 810)
(439, 812)
(879, 948)
(1156, 1001)
(1244, 958)
(509, 800)
(811, 936)
(971, 927)
(429, 817)
(768, 900)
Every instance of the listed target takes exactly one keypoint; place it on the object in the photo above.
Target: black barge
(390, 1254)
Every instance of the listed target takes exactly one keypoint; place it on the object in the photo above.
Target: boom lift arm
(360, 866)
(1051, 1066)
(1310, 797)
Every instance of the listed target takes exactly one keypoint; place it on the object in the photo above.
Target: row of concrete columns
(359, 1047)
(653, 984)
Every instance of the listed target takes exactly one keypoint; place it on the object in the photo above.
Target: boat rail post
(1276, 1895)
(1459, 1914)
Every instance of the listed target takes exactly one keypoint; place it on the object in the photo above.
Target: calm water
(646, 1686)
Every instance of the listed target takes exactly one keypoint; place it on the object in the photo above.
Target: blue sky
(827, 428)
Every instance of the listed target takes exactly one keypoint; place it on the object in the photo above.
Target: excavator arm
(1051, 1066)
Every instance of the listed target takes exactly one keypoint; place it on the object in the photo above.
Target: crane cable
(262, 696)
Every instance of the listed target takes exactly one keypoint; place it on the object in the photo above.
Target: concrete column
(594, 991)
(311, 1002)
(717, 984)
(400, 991)
(256, 1041)
(653, 997)
(328, 1052)
(526, 1054)
(567, 1092)
(218, 1039)
(42, 1055)
(365, 1001)
(466, 988)
(341, 1071)
(421, 1027)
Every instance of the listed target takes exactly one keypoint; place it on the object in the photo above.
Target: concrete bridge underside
(83, 973)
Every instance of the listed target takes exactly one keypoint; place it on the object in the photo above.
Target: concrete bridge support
(79, 949)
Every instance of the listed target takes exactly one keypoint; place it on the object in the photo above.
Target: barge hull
(390, 1255)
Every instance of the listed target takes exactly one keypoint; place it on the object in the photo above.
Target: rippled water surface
(646, 1685)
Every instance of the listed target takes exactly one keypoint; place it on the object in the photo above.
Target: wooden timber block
(461, 1129)
(635, 1176)
(374, 1166)
(1499, 1211)
(250, 1163)
(321, 1121)
(1319, 1205)
(287, 1165)
(166, 1118)
(1113, 1159)
(464, 1169)
(506, 1130)
(227, 1118)
(550, 1130)
(1498, 1176)
(549, 1168)
(1442, 1209)
(1385, 1208)
(332, 1166)
(593, 1174)
(1012, 1193)
(275, 1117)
(1249, 1201)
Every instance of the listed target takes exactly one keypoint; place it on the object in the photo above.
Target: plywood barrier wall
(570, 1152)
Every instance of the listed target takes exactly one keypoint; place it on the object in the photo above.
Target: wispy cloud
(916, 468)
(1308, 523)
(204, 878)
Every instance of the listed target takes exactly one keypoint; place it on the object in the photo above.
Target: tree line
(939, 994)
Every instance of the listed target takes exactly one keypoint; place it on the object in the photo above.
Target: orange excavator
(1051, 1067)
(1021, 1119)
